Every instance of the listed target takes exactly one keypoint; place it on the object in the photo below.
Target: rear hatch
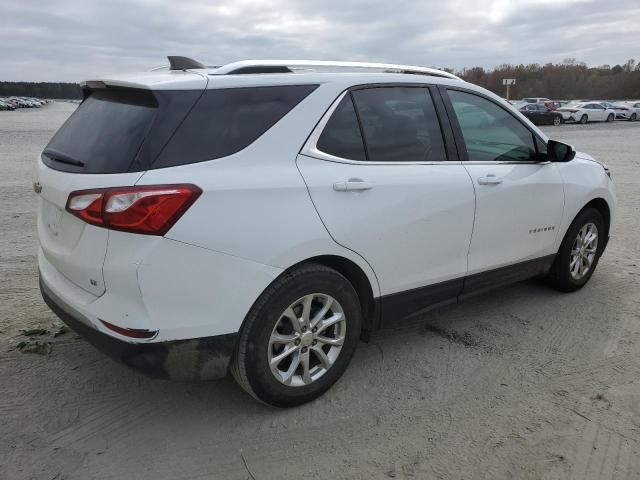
(109, 141)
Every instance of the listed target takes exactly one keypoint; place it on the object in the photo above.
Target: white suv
(269, 214)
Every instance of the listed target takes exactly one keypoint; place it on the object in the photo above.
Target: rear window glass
(341, 136)
(105, 132)
(225, 121)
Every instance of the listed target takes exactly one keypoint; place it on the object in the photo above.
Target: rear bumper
(205, 358)
(569, 117)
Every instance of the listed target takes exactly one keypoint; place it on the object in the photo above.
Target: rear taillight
(151, 209)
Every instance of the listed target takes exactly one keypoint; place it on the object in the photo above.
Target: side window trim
(360, 127)
(457, 131)
(310, 148)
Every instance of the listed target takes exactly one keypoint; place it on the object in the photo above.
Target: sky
(71, 40)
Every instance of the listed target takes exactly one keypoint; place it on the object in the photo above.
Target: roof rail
(276, 66)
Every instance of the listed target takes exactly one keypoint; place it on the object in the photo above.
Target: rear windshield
(105, 132)
(226, 121)
(130, 130)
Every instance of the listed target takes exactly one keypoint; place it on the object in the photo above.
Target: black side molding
(183, 63)
(403, 305)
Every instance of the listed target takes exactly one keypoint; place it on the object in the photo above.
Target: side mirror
(560, 152)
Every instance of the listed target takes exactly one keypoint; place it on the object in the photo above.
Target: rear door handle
(353, 185)
(489, 180)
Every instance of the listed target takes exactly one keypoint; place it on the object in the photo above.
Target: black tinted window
(490, 132)
(341, 136)
(105, 132)
(399, 124)
(226, 121)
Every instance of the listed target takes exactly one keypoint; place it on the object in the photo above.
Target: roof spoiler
(183, 63)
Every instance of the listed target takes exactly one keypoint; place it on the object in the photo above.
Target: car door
(530, 112)
(378, 172)
(596, 112)
(545, 117)
(519, 199)
(541, 114)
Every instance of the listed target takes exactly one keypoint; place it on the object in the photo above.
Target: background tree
(569, 80)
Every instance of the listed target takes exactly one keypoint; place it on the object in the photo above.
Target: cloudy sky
(71, 39)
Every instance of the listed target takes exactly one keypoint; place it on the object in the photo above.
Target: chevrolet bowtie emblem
(37, 187)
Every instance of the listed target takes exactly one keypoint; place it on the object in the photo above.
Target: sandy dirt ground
(522, 383)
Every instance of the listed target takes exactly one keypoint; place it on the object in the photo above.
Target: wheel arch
(360, 281)
(602, 206)
(355, 274)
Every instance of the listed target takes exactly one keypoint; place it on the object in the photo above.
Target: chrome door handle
(489, 180)
(353, 185)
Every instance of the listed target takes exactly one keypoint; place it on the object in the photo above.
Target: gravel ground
(521, 383)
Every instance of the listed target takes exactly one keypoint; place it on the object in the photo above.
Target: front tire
(299, 337)
(633, 117)
(584, 119)
(579, 252)
(557, 120)
(611, 118)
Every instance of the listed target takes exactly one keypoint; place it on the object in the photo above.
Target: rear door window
(399, 124)
(105, 132)
(225, 121)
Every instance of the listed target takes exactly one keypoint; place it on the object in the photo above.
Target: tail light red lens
(149, 209)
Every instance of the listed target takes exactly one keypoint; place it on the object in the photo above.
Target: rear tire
(270, 331)
(557, 120)
(584, 119)
(611, 118)
(577, 258)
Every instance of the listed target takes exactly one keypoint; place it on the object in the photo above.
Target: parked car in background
(636, 107)
(625, 112)
(535, 100)
(518, 103)
(540, 114)
(587, 112)
(23, 102)
(13, 102)
(6, 105)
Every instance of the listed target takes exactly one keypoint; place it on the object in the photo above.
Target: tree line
(40, 89)
(568, 80)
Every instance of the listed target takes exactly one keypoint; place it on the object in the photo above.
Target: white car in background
(262, 218)
(587, 112)
(518, 103)
(536, 100)
(627, 111)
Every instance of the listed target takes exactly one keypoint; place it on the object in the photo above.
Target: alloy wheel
(583, 251)
(306, 340)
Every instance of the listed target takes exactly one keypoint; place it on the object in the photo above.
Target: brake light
(149, 209)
